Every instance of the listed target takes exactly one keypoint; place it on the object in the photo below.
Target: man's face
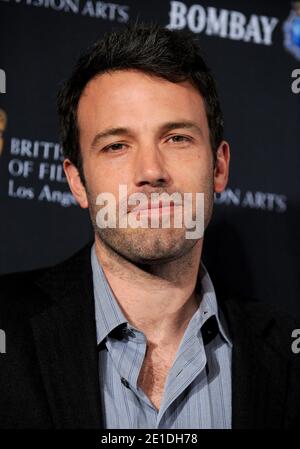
(150, 150)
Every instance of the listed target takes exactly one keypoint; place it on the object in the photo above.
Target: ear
(75, 184)
(221, 170)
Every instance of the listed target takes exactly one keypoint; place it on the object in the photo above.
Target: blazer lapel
(65, 339)
(259, 371)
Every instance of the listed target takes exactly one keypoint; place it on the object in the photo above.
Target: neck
(157, 299)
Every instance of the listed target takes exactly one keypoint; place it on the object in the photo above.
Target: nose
(150, 167)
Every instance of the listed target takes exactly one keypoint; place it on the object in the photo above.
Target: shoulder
(269, 324)
(259, 311)
(27, 292)
(20, 289)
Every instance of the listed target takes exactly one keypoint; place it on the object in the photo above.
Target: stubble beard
(147, 245)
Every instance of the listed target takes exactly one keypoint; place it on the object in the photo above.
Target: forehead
(125, 95)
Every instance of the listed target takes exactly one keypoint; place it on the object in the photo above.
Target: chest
(153, 375)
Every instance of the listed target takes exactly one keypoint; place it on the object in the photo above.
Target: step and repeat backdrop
(253, 48)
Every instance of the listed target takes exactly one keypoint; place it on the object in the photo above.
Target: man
(130, 331)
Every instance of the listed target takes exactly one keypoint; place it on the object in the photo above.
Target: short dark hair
(173, 55)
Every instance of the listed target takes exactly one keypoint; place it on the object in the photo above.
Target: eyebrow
(169, 126)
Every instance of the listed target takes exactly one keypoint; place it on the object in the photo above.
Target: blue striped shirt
(197, 392)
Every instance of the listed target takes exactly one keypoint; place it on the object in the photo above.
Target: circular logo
(291, 29)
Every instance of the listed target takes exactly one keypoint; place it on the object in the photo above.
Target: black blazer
(49, 373)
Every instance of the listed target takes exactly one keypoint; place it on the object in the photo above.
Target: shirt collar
(209, 306)
(109, 315)
(108, 312)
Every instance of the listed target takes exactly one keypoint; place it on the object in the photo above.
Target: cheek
(102, 178)
(196, 177)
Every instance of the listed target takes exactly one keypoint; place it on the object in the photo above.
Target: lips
(162, 205)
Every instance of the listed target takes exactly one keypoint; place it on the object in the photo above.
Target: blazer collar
(65, 339)
(259, 369)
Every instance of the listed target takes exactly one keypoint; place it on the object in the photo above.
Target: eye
(113, 147)
(180, 139)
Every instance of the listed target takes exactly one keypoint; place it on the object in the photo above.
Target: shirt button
(131, 333)
(128, 332)
(125, 382)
